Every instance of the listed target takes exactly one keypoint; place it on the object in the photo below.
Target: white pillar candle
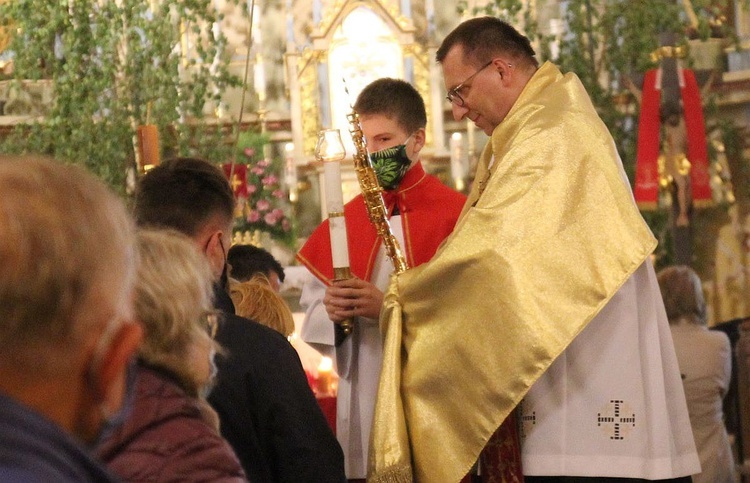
(335, 208)
(471, 151)
(290, 171)
(259, 78)
(325, 375)
(456, 151)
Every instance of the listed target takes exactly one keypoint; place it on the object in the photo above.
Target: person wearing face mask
(267, 410)
(172, 433)
(422, 213)
(66, 319)
(544, 298)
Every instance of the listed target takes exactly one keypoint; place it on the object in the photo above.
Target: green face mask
(390, 164)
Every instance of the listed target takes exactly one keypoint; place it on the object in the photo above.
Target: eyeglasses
(210, 321)
(454, 97)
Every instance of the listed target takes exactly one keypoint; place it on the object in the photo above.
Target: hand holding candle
(331, 151)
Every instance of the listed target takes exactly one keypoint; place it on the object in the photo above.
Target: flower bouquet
(261, 201)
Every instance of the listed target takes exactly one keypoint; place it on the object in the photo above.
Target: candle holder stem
(343, 273)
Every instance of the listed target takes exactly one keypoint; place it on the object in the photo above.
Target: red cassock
(428, 209)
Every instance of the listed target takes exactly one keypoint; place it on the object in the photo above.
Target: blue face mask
(391, 165)
(114, 421)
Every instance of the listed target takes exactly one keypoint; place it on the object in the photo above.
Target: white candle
(456, 150)
(259, 78)
(289, 27)
(259, 69)
(335, 208)
(325, 375)
(470, 140)
(430, 14)
(290, 171)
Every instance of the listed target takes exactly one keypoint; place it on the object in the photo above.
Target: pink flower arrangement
(263, 205)
(263, 210)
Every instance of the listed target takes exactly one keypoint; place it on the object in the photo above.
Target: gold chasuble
(548, 235)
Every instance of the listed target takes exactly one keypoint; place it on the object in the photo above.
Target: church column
(295, 98)
(436, 85)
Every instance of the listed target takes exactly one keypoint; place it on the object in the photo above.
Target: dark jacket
(268, 412)
(166, 437)
(34, 449)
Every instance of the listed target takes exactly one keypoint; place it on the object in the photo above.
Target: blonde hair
(67, 258)
(173, 293)
(682, 293)
(255, 299)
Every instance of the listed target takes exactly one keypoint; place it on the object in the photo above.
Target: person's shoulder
(232, 324)
(438, 188)
(202, 454)
(355, 202)
(708, 340)
(181, 444)
(241, 336)
(39, 471)
(437, 192)
(718, 337)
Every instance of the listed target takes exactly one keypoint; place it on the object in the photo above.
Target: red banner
(237, 178)
(646, 190)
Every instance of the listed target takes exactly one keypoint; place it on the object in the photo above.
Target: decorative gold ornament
(665, 51)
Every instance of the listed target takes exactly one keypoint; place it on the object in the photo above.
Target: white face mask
(214, 371)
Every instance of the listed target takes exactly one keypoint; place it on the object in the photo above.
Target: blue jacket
(34, 449)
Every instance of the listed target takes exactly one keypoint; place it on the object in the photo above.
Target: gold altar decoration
(308, 76)
(318, 100)
(5, 38)
(667, 51)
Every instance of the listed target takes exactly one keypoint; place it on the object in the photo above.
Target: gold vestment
(549, 233)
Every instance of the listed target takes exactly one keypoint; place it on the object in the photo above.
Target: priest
(544, 295)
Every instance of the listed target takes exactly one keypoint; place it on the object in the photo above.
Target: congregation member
(255, 278)
(172, 433)
(67, 268)
(266, 409)
(246, 261)
(705, 359)
(544, 296)
(256, 299)
(422, 212)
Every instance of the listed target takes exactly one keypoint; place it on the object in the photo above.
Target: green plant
(708, 18)
(114, 66)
